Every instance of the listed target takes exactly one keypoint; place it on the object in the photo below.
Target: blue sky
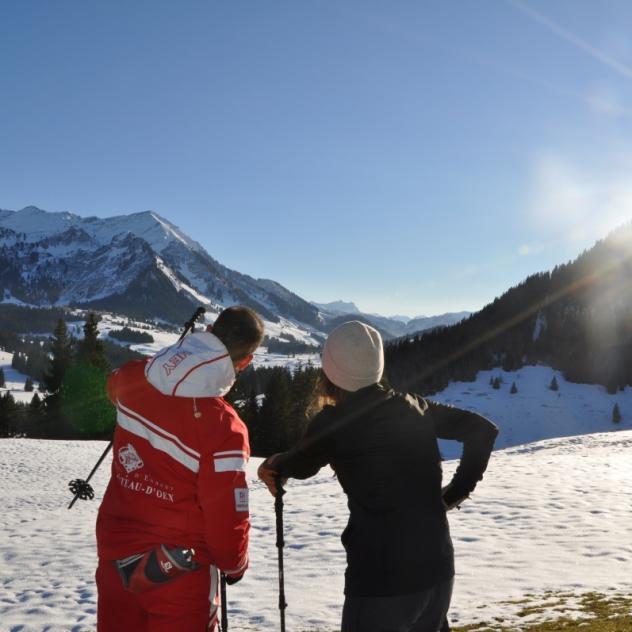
(415, 157)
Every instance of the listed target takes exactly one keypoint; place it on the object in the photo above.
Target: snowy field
(535, 412)
(14, 380)
(554, 515)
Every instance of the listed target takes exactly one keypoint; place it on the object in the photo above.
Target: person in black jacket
(383, 448)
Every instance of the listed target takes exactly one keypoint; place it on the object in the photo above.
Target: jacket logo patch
(172, 363)
(129, 459)
(241, 499)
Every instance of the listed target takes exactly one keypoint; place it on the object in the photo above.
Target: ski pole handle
(190, 324)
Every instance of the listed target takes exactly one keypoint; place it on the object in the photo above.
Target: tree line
(72, 403)
(72, 383)
(275, 404)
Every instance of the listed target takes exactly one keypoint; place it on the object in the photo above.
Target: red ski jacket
(179, 457)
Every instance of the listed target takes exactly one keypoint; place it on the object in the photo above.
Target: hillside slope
(576, 318)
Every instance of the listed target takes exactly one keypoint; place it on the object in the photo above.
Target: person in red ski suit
(177, 483)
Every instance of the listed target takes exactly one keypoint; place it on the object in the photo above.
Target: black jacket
(383, 448)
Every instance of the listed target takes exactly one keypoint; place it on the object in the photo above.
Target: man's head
(241, 330)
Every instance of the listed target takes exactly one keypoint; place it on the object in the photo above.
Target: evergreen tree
(28, 385)
(84, 401)
(60, 359)
(4, 419)
(616, 414)
(36, 402)
(34, 417)
(274, 415)
(61, 356)
(514, 389)
(554, 385)
(496, 383)
(90, 349)
(8, 415)
(2, 382)
(303, 385)
(250, 415)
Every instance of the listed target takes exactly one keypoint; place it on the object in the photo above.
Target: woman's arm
(477, 434)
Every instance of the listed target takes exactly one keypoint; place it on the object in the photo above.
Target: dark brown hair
(240, 329)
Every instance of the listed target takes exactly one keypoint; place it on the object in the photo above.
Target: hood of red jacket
(197, 366)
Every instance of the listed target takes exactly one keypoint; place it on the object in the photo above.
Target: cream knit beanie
(353, 356)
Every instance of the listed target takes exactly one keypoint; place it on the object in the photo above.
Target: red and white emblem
(129, 459)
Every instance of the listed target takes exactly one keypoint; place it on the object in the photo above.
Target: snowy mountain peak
(36, 223)
(139, 264)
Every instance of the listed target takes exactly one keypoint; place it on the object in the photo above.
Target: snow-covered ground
(535, 412)
(554, 515)
(14, 381)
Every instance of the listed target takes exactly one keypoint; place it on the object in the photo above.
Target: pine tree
(36, 402)
(616, 414)
(4, 419)
(496, 383)
(303, 385)
(84, 401)
(274, 414)
(8, 415)
(250, 415)
(28, 385)
(2, 382)
(514, 389)
(554, 385)
(34, 417)
(61, 356)
(90, 350)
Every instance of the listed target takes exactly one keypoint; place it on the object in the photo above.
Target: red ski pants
(187, 604)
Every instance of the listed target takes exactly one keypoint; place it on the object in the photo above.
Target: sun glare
(577, 205)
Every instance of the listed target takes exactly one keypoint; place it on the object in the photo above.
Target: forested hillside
(576, 318)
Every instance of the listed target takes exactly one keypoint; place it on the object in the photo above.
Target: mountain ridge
(47, 258)
(144, 266)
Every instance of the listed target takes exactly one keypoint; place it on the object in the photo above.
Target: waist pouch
(155, 568)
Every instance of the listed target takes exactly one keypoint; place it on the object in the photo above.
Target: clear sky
(413, 156)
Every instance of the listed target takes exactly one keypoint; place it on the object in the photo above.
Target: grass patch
(591, 612)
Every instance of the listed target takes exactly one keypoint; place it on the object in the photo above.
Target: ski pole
(280, 543)
(222, 592)
(82, 489)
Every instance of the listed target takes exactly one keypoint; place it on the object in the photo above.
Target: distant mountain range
(338, 312)
(144, 266)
